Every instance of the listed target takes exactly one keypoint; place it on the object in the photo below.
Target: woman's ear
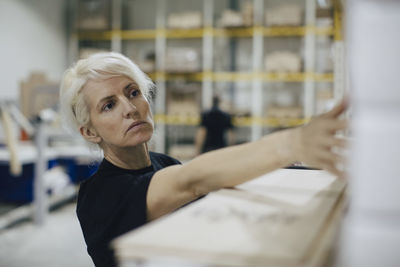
(90, 134)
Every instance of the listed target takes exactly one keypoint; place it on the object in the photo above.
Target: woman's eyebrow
(104, 99)
(129, 85)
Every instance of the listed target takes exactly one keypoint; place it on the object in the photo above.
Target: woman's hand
(317, 142)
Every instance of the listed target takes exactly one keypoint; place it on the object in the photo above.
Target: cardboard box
(38, 93)
(94, 15)
(284, 15)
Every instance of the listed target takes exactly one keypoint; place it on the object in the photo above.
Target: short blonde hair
(100, 66)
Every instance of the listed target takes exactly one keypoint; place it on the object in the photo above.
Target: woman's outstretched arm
(311, 144)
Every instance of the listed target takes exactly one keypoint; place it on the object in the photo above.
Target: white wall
(32, 38)
(371, 233)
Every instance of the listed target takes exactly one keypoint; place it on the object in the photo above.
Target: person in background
(215, 130)
(105, 98)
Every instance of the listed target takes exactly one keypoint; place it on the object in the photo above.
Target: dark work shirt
(113, 202)
(216, 122)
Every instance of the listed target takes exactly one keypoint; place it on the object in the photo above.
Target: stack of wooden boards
(284, 218)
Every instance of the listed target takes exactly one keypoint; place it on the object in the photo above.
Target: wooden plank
(273, 220)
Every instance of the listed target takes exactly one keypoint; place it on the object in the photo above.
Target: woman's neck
(133, 158)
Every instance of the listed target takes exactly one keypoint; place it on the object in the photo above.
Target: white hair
(100, 66)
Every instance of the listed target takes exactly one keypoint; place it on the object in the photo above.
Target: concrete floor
(59, 242)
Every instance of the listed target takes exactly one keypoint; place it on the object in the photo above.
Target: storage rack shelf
(159, 36)
(244, 76)
(237, 121)
(200, 32)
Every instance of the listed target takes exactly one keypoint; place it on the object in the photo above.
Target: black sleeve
(120, 206)
(111, 204)
(161, 161)
(132, 209)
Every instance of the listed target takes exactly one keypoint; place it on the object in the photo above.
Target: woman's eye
(135, 93)
(108, 106)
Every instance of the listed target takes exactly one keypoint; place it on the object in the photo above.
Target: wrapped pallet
(247, 13)
(232, 18)
(183, 106)
(183, 99)
(182, 59)
(284, 15)
(282, 61)
(185, 20)
(94, 15)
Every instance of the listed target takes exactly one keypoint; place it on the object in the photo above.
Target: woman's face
(120, 115)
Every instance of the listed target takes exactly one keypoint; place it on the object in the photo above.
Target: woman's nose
(129, 109)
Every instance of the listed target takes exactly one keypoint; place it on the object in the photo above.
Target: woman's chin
(139, 140)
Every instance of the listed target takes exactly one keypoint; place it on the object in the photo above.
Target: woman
(106, 98)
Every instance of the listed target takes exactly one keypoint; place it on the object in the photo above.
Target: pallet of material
(285, 218)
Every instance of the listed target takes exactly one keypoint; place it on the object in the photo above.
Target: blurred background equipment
(284, 15)
(182, 59)
(282, 61)
(233, 18)
(10, 140)
(94, 14)
(185, 20)
(37, 93)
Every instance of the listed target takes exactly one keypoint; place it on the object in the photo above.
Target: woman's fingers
(337, 110)
(339, 142)
(322, 126)
(324, 157)
(320, 147)
(328, 156)
(337, 125)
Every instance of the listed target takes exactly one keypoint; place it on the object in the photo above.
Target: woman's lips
(135, 125)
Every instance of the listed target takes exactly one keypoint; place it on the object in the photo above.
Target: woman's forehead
(110, 84)
(95, 90)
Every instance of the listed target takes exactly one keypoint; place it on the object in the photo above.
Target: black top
(113, 202)
(216, 122)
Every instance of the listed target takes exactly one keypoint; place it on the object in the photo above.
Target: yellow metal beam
(243, 76)
(237, 121)
(183, 33)
(233, 32)
(284, 31)
(138, 34)
(95, 35)
(337, 16)
(243, 32)
(232, 76)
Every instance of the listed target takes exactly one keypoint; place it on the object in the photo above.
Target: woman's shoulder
(162, 160)
(107, 188)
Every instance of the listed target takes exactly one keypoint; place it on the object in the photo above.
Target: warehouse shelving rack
(207, 76)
